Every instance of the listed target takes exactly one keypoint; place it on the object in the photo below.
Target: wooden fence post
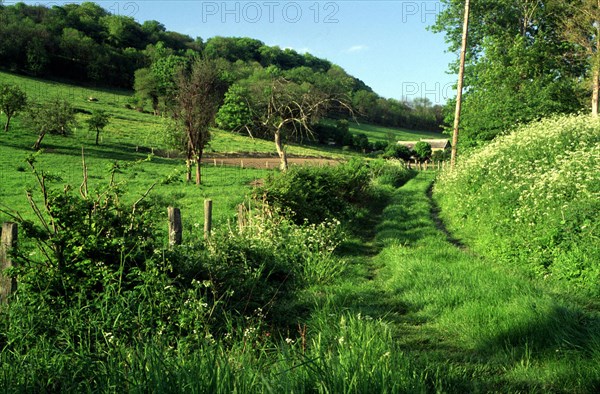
(8, 241)
(242, 222)
(207, 218)
(175, 226)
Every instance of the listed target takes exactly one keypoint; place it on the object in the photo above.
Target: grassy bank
(532, 199)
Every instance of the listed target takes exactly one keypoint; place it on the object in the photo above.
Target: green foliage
(422, 150)
(361, 142)
(12, 101)
(97, 122)
(395, 150)
(531, 198)
(56, 116)
(390, 172)
(516, 72)
(441, 155)
(315, 194)
(234, 114)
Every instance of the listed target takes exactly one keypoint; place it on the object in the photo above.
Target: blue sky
(384, 43)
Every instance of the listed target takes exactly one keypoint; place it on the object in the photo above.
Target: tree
(422, 150)
(235, 114)
(199, 94)
(146, 86)
(12, 101)
(396, 151)
(582, 28)
(55, 116)
(518, 66)
(97, 122)
(279, 107)
(361, 141)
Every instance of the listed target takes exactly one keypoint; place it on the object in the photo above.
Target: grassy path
(465, 323)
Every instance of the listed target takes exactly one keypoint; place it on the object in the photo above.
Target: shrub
(422, 150)
(390, 172)
(315, 194)
(397, 151)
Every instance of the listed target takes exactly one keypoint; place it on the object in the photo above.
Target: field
(130, 136)
(384, 134)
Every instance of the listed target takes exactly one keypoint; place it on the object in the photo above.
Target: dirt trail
(266, 161)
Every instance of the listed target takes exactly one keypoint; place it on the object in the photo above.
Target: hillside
(88, 44)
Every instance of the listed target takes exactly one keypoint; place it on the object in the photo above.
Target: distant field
(381, 133)
(129, 127)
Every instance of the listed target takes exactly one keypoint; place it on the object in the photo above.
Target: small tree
(12, 100)
(146, 87)
(199, 94)
(55, 116)
(361, 141)
(97, 122)
(422, 150)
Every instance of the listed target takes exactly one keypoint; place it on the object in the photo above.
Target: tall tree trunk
(595, 91)
(37, 144)
(188, 165)
(283, 164)
(155, 103)
(198, 169)
(97, 135)
(459, 87)
(7, 123)
(596, 72)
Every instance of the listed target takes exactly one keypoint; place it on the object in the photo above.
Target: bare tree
(280, 107)
(200, 91)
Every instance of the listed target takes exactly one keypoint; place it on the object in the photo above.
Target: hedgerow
(533, 198)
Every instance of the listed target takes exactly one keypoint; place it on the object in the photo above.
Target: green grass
(413, 313)
(381, 133)
(532, 199)
(132, 129)
(129, 137)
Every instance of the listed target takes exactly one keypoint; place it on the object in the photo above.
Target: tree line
(525, 60)
(86, 43)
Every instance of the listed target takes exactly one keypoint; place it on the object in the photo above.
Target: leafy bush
(315, 194)
(390, 172)
(397, 151)
(422, 150)
(533, 197)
